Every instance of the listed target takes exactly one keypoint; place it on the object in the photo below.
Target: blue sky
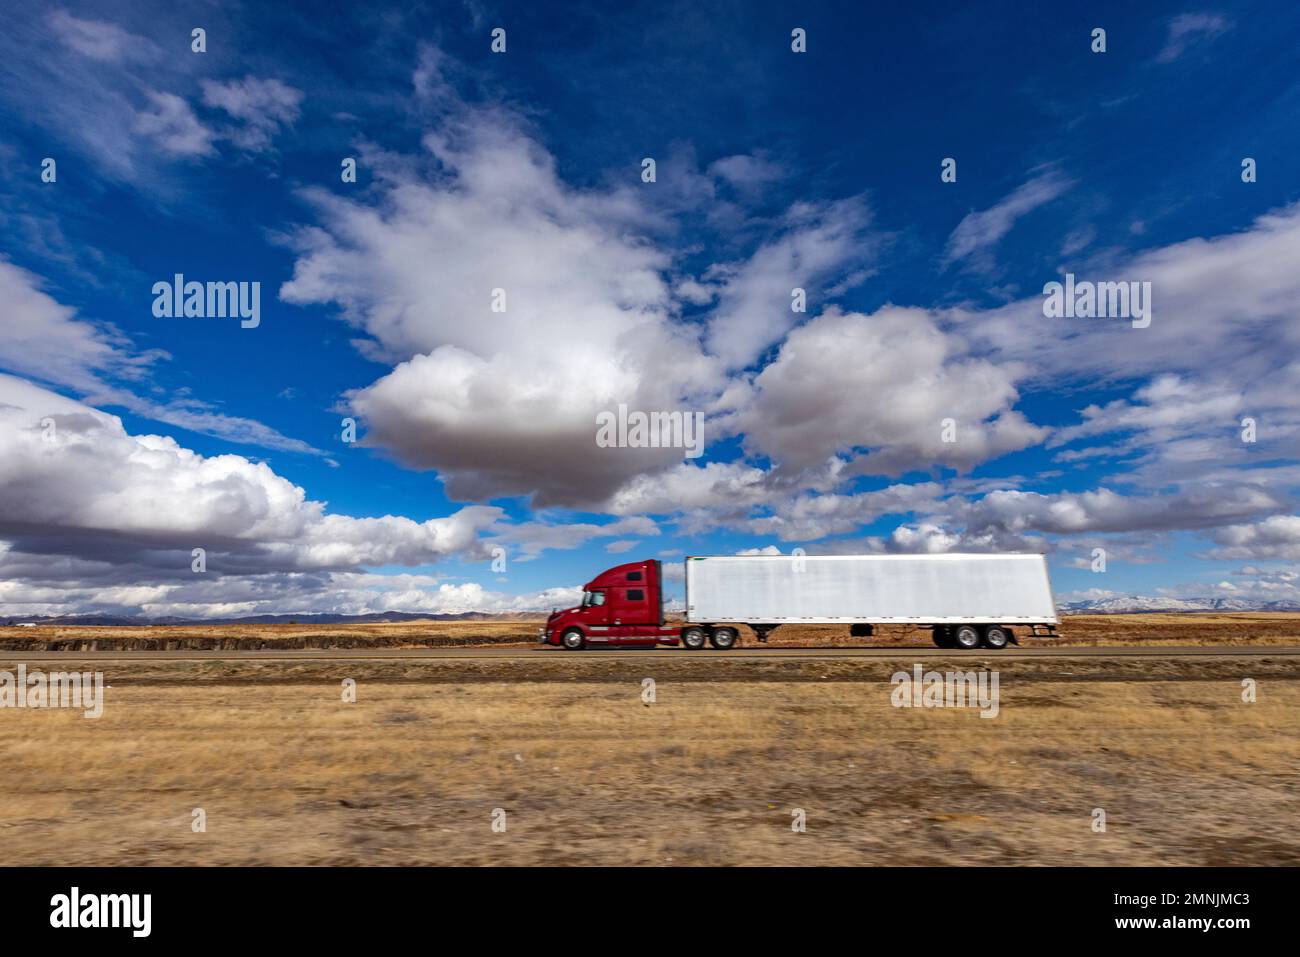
(522, 171)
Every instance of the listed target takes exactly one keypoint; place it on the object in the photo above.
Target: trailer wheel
(966, 636)
(996, 637)
(573, 640)
(723, 638)
(942, 636)
(693, 639)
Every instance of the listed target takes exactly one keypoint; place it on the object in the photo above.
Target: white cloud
(1189, 29)
(686, 487)
(118, 99)
(805, 518)
(1132, 528)
(1275, 538)
(817, 245)
(264, 107)
(747, 173)
(530, 539)
(293, 593)
(502, 403)
(926, 538)
(99, 40)
(45, 340)
(979, 231)
(1105, 510)
(883, 384)
(1221, 346)
(1222, 306)
(171, 124)
(86, 489)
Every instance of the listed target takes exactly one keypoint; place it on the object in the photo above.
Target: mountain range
(1113, 605)
(1136, 604)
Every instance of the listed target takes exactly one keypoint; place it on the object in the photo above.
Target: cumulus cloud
(686, 487)
(882, 386)
(1177, 429)
(1221, 346)
(1275, 538)
(78, 485)
(52, 588)
(530, 539)
(1105, 510)
(766, 550)
(816, 244)
(1130, 527)
(1222, 305)
(1162, 409)
(502, 403)
(810, 517)
(927, 538)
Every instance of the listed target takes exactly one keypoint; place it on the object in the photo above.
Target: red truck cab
(620, 606)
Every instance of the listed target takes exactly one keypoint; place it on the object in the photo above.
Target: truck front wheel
(693, 639)
(573, 640)
(723, 638)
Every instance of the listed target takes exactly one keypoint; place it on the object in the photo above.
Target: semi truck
(967, 601)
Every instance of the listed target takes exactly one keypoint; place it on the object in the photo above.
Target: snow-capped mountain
(1135, 604)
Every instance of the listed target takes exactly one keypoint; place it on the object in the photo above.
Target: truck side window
(634, 576)
(597, 598)
(635, 594)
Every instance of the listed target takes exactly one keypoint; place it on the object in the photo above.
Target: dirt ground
(710, 772)
(1243, 628)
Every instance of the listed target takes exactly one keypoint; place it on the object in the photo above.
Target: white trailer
(966, 600)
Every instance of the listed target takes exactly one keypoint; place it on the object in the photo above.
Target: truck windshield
(592, 598)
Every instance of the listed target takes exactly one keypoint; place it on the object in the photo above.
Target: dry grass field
(287, 773)
(1242, 628)
(709, 773)
(405, 634)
